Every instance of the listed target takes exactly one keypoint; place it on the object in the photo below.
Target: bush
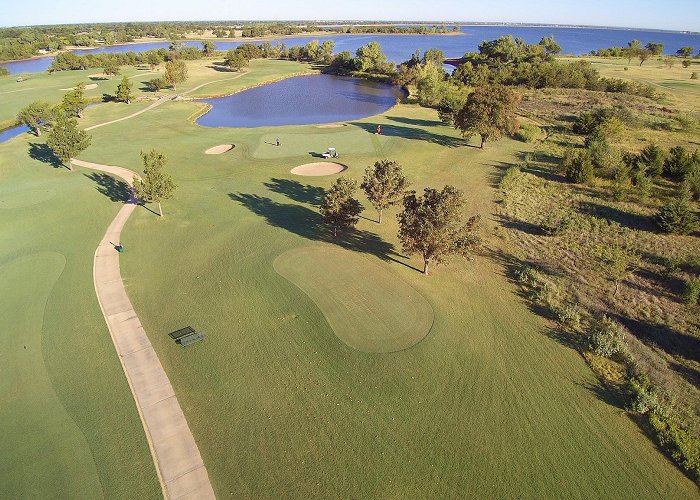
(510, 177)
(686, 121)
(578, 167)
(585, 123)
(677, 439)
(691, 294)
(527, 132)
(569, 316)
(676, 216)
(157, 84)
(643, 397)
(556, 222)
(607, 338)
(694, 75)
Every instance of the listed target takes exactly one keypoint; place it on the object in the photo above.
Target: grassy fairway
(381, 314)
(68, 422)
(488, 404)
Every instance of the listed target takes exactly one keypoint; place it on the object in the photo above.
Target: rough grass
(378, 315)
(67, 417)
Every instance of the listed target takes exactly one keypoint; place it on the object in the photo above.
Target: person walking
(277, 141)
(379, 130)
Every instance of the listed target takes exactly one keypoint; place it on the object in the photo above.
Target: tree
(685, 52)
(235, 60)
(110, 67)
(550, 45)
(384, 184)
(489, 112)
(338, 208)
(156, 185)
(157, 84)
(656, 49)
(153, 59)
(175, 72)
(208, 47)
(370, 58)
(434, 56)
(311, 50)
(677, 216)
(4, 71)
(652, 157)
(431, 225)
(325, 52)
(632, 50)
(66, 141)
(616, 262)
(36, 116)
(643, 55)
(124, 93)
(74, 101)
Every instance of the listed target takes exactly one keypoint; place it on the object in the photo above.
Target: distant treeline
(22, 43)
(635, 49)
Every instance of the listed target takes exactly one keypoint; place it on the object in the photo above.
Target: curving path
(179, 465)
(148, 108)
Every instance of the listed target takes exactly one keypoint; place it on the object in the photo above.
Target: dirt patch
(319, 168)
(220, 149)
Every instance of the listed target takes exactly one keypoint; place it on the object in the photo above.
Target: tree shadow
(625, 219)
(519, 225)
(416, 121)
(415, 134)
(308, 224)
(316, 155)
(221, 68)
(44, 154)
(108, 98)
(115, 190)
(671, 341)
(295, 190)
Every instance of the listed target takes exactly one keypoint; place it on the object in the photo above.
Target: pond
(301, 100)
(13, 132)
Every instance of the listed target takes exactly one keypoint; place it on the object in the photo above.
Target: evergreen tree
(36, 116)
(384, 184)
(66, 141)
(156, 185)
(74, 101)
(124, 92)
(677, 216)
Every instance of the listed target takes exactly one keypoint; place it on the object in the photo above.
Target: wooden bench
(186, 336)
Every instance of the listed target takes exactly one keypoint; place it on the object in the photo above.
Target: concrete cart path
(180, 468)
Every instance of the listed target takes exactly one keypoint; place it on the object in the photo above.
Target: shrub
(677, 439)
(579, 168)
(527, 132)
(691, 294)
(557, 221)
(585, 123)
(643, 397)
(607, 338)
(686, 63)
(157, 84)
(569, 316)
(652, 157)
(694, 75)
(679, 163)
(510, 178)
(676, 216)
(686, 121)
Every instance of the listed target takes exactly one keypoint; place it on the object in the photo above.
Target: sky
(658, 14)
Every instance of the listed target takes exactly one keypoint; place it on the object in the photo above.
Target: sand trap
(220, 149)
(319, 168)
(89, 86)
(332, 125)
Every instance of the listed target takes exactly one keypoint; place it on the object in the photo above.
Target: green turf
(489, 404)
(68, 421)
(378, 315)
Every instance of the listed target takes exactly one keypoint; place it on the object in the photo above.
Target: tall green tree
(36, 116)
(632, 50)
(643, 55)
(156, 184)
(550, 45)
(339, 208)
(66, 140)
(656, 49)
(311, 50)
(235, 60)
(677, 216)
(370, 58)
(175, 72)
(110, 67)
(432, 225)
(74, 101)
(434, 56)
(325, 52)
(384, 184)
(153, 59)
(490, 112)
(124, 92)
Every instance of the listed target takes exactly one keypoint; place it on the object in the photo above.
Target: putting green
(367, 307)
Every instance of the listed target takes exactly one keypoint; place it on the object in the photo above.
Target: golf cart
(331, 153)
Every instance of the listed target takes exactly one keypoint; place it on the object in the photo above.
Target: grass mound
(367, 307)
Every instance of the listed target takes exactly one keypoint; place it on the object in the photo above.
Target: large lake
(399, 48)
(301, 100)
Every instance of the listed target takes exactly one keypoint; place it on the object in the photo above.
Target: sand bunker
(220, 149)
(89, 86)
(319, 168)
(332, 125)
